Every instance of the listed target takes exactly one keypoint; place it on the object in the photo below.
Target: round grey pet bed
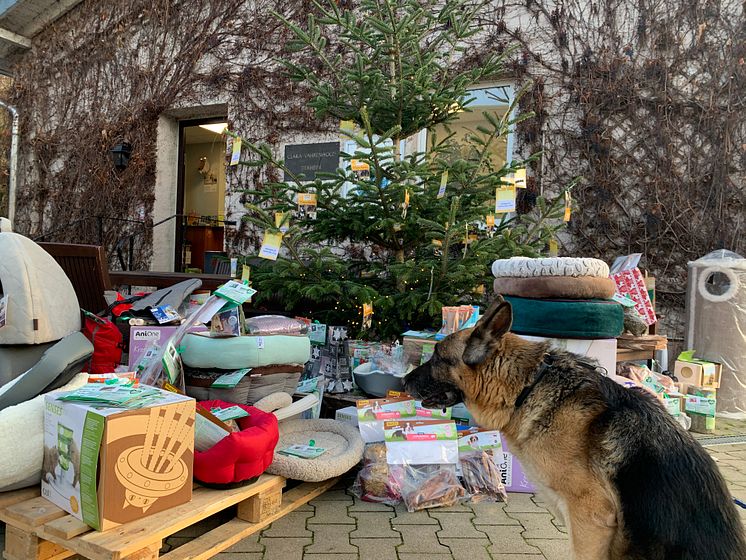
(343, 444)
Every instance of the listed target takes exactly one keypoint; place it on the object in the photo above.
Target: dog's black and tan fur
(629, 482)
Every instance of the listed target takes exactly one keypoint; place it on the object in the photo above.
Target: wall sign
(308, 159)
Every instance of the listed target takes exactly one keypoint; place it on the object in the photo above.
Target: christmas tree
(397, 231)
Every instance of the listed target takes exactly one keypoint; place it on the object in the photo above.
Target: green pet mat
(567, 318)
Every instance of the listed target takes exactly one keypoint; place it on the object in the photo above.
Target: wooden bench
(38, 530)
(85, 266)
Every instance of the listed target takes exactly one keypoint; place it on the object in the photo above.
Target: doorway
(200, 200)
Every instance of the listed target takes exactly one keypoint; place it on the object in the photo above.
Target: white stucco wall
(164, 235)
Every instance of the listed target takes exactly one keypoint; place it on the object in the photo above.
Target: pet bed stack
(560, 298)
(275, 350)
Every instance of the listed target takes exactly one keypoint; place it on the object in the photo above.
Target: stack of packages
(419, 457)
(241, 361)
(566, 301)
(329, 358)
(698, 382)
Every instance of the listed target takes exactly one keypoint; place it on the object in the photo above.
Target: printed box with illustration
(109, 466)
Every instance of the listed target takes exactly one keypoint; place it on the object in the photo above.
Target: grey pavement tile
(553, 549)
(507, 539)
(421, 539)
(456, 525)
(403, 517)
(338, 495)
(522, 503)
(468, 549)
(330, 539)
(331, 513)
(240, 556)
(284, 548)
(374, 524)
(376, 549)
(538, 526)
(492, 513)
(291, 525)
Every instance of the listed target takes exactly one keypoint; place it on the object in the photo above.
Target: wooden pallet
(36, 529)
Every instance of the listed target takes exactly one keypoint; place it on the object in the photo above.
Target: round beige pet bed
(343, 444)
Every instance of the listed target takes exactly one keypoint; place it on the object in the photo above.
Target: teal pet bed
(238, 352)
(557, 318)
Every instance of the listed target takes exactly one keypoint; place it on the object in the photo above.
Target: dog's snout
(416, 379)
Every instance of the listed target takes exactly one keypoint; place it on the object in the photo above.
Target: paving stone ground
(338, 526)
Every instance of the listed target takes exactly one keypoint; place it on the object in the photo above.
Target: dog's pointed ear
(485, 336)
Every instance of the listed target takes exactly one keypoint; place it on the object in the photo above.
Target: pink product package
(514, 477)
(631, 282)
(142, 337)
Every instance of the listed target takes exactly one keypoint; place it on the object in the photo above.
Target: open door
(200, 201)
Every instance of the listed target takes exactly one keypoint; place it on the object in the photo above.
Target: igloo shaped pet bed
(42, 305)
(242, 456)
(343, 444)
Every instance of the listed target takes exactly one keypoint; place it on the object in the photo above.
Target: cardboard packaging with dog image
(111, 466)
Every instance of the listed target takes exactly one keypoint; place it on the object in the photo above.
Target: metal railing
(124, 247)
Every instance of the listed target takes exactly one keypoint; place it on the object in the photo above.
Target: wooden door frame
(180, 221)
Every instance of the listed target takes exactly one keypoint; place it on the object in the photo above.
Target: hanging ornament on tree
(568, 207)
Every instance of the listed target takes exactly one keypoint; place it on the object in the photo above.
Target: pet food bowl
(375, 382)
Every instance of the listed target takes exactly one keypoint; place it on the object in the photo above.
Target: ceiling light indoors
(217, 128)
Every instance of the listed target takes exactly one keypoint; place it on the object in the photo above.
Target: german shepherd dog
(627, 480)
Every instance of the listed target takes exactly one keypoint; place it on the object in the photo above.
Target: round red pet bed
(242, 456)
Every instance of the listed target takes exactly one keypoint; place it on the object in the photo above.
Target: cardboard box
(700, 406)
(514, 477)
(142, 337)
(602, 349)
(698, 373)
(111, 466)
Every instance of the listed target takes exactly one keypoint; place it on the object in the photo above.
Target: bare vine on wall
(645, 99)
(106, 72)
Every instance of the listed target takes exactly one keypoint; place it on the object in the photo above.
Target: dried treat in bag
(428, 486)
(374, 481)
(481, 477)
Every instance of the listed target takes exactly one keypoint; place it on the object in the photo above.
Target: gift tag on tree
(270, 245)
(568, 207)
(282, 221)
(405, 204)
(307, 205)
(553, 248)
(519, 179)
(236, 151)
(505, 199)
(443, 183)
(245, 273)
(367, 315)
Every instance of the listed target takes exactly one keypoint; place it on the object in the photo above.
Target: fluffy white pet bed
(22, 440)
(524, 267)
(343, 444)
